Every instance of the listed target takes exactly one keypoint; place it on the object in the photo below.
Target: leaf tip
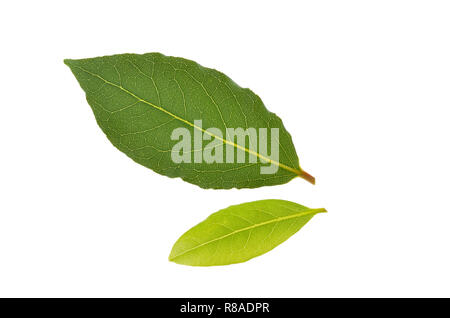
(68, 62)
(172, 257)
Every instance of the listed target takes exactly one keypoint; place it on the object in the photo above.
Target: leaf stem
(321, 210)
(305, 175)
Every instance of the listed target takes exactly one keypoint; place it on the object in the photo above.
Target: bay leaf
(139, 101)
(240, 232)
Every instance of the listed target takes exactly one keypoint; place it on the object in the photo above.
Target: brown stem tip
(305, 175)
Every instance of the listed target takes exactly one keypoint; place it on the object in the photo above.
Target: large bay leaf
(240, 232)
(139, 100)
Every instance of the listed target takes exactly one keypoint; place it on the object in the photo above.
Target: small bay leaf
(240, 232)
(140, 100)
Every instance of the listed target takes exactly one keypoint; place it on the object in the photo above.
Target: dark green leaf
(139, 100)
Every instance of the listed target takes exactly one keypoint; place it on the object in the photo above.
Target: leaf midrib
(275, 220)
(226, 141)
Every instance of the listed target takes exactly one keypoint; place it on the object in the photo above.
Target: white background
(362, 86)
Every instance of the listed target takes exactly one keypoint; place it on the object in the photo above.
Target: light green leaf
(240, 232)
(139, 100)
